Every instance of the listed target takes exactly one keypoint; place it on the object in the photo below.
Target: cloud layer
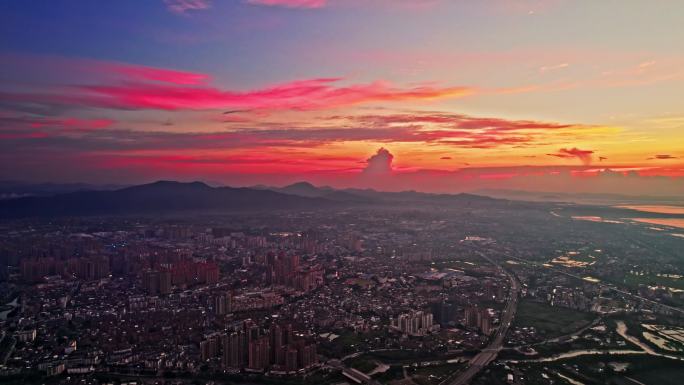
(130, 87)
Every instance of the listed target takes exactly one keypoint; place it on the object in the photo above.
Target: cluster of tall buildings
(88, 268)
(286, 270)
(443, 312)
(494, 291)
(478, 318)
(188, 273)
(157, 282)
(257, 301)
(413, 323)
(185, 273)
(246, 346)
(223, 303)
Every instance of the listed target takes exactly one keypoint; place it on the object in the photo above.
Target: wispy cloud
(499, 134)
(158, 74)
(183, 6)
(553, 67)
(131, 87)
(290, 3)
(663, 157)
(570, 153)
(53, 125)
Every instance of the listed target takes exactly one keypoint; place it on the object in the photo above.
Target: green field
(644, 369)
(550, 321)
(633, 281)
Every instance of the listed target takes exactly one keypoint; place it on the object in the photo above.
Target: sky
(429, 95)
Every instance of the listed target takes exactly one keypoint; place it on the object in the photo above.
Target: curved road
(488, 354)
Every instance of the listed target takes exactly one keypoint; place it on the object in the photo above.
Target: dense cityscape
(427, 295)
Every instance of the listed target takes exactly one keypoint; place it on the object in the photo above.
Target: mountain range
(173, 197)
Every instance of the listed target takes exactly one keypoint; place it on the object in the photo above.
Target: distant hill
(371, 196)
(168, 197)
(420, 197)
(163, 197)
(16, 189)
(306, 189)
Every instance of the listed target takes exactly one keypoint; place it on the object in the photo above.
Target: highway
(489, 354)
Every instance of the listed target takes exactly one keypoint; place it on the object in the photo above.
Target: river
(13, 304)
(622, 331)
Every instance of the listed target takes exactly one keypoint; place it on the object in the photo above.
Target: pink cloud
(52, 70)
(183, 6)
(311, 94)
(253, 162)
(380, 163)
(290, 3)
(157, 74)
(115, 85)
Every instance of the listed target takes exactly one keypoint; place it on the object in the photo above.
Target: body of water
(671, 222)
(655, 209)
(12, 305)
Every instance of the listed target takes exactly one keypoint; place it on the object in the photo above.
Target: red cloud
(253, 163)
(132, 87)
(291, 3)
(298, 95)
(583, 155)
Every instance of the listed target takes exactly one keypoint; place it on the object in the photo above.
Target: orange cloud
(584, 155)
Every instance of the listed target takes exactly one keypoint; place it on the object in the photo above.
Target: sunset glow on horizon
(430, 95)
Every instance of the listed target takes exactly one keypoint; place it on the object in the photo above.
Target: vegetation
(634, 280)
(550, 321)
